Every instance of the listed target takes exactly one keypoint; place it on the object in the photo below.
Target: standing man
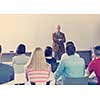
(58, 43)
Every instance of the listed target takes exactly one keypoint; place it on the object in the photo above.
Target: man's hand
(87, 72)
(60, 39)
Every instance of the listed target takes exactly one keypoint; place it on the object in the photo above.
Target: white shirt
(19, 63)
(65, 55)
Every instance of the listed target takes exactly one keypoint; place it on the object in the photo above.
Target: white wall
(36, 29)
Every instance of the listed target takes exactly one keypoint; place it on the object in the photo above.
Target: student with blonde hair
(38, 70)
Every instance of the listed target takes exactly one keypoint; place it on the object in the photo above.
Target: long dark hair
(21, 49)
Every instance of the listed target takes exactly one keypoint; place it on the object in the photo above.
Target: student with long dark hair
(18, 63)
(69, 43)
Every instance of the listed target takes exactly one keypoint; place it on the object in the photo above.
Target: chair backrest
(19, 68)
(19, 78)
(75, 81)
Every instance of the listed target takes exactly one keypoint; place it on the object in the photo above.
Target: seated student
(94, 65)
(50, 60)
(6, 71)
(70, 43)
(18, 63)
(38, 70)
(72, 66)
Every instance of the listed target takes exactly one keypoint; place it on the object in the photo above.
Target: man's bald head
(58, 27)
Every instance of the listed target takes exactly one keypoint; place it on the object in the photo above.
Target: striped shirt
(38, 75)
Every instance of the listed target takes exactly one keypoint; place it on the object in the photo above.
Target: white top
(65, 55)
(19, 63)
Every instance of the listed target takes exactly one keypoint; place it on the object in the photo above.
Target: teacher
(58, 43)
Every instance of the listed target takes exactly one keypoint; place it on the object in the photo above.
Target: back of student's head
(70, 49)
(69, 43)
(21, 49)
(97, 51)
(48, 51)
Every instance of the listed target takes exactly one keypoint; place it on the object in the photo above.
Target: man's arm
(90, 67)
(11, 73)
(64, 39)
(60, 70)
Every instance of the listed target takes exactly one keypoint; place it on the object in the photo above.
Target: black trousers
(59, 52)
(20, 84)
(47, 83)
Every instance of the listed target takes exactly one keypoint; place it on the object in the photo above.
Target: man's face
(58, 28)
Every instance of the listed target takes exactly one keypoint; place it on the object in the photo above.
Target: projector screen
(36, 30)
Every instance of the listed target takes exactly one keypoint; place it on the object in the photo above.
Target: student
(6, 71)
(70, 43)
(72, 66)
(94, 65)
(38, 70)
(50, 60)
(18, 63)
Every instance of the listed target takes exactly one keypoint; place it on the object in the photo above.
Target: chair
(19, 78)
(76, 81)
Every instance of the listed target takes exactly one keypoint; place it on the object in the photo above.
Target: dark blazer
(56, 43)
(53, 64)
